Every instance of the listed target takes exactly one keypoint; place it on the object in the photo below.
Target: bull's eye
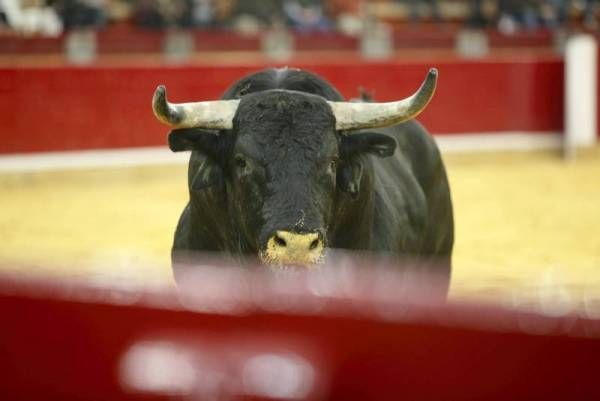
(240, 161)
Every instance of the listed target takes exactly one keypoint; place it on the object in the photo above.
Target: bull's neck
(354, 218)
(211, 225)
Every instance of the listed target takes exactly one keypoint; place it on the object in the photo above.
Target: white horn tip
(161, 91)
(160, 106)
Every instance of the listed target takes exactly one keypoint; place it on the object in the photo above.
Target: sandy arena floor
(523, 221)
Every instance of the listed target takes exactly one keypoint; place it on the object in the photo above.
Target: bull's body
(403, 205)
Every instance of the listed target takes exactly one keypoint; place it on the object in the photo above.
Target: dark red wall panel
(70, 108)
(471, 96)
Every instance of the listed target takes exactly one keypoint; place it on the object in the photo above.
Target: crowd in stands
(51, 17)
(532, 14)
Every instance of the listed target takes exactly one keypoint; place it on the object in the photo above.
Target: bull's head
(282, 156)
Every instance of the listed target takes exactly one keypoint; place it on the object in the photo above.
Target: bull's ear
(209, 173)
(350, 170)
(194, 139)
(368, 142)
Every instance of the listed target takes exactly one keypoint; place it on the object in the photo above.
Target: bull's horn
(374, 115)
(215, 114)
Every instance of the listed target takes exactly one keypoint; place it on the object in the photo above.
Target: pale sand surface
(525, 222)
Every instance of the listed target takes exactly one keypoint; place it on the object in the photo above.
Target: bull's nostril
(314, 244)
(280, 241)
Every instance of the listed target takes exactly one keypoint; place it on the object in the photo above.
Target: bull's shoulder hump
(418, 148)
(413, 140)
(284, 78)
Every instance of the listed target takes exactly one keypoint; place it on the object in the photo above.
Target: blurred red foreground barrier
(244, 335)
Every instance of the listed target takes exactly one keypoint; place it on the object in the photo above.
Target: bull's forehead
(281, 122)
(273, 97)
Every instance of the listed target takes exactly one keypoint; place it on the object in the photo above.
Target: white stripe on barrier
(490, 142)
(90, 159)
(515, 141)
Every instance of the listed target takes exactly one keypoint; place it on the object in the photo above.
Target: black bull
(284, 184)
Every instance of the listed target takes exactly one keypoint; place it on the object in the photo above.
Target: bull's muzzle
(289, 248)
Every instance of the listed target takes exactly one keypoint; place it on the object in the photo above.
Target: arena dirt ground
(525, 223)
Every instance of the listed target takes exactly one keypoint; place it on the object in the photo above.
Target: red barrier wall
(70, 108)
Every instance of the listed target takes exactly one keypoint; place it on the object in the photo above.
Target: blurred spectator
(160, 14)
(119, 10)
(203, 13)
(418, 9)
(223, 10)
(3, 19)
(553, 13)
(590, 19)
(177, 13)
(516, 13)
(347, 14)
(82, 13)
(31, 17)
(337, 7)
(482, 13)
(147, 15)
(263, 10)
(252, 16)
(306, 15)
